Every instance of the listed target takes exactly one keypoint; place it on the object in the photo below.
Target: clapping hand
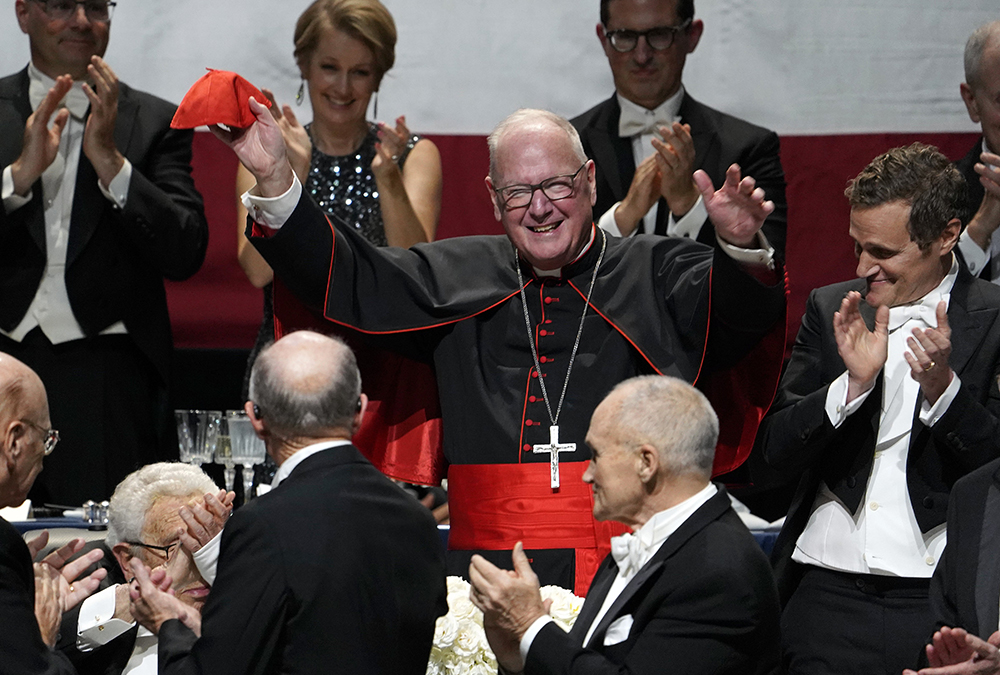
(99, 135)
(153, 601)
(41, 141)
(953, 651)
(863, 351)
(675, 160)
(389, 148)
(928, 356)
(737, 209)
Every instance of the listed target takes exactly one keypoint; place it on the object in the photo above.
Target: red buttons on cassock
(542, 332)
(532, 399)
(542, 359)
(534, 374)
(527, 448)
(548, 301)
(548, 321)
(528, 423)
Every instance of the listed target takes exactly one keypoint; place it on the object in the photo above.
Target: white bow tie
(925, 311)
(75, 101)
(632, 121)
(628, 552)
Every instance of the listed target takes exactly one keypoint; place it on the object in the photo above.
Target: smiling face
(646, 76)
(62, 47)
(342, 77)
(896, 270)
(614, 469)
(548, 234)
(161, 529)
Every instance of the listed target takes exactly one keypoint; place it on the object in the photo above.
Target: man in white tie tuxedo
(650, 136)
(883, 406)
(689, 587)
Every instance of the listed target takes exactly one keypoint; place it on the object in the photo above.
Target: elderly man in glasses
(145, 522)
(650, 136)
(527, 332)
(98, 208)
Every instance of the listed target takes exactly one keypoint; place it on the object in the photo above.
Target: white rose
(463, 610)
(445, 631)
(565, 605)
(470, 642)
(457, 585)
(482, 669)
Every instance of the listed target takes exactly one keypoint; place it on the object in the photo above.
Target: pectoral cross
(554, 447)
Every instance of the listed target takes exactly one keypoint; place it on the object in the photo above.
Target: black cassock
(456, 304)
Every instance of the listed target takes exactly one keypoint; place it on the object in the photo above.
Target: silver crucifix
(553, 447)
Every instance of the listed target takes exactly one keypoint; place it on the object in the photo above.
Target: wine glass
(224, 453)
(197, 431)
(209, 425)
(247, 449)
(187, 434)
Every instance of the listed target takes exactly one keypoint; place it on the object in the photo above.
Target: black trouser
(839, 623)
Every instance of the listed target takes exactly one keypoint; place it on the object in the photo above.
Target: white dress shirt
(883, 537)
(50, 308)
(651, 536)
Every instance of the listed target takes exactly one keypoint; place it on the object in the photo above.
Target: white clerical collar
(664, 523)
(39, 83)
(305, 453)
(558, 271)
(665, 113)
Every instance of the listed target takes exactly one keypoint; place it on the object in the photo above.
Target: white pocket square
(618, 630)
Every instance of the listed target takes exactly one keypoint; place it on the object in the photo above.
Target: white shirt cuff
(272, 212)
(837, 407)
(11, 201)
(117, 192)
(762, 255)
(930, 414)
(608, 223)
(975, 257)
(690, 223)
(95, 625)
(529, 635)
(206, 558)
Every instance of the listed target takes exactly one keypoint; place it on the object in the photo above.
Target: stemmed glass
(247, 449)
(224, 453)
(197, 431)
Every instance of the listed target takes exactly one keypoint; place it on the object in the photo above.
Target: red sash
(493, 506)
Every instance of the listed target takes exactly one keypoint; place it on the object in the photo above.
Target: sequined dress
(343, 186)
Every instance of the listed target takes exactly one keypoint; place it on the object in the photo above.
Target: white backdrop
(801, 67)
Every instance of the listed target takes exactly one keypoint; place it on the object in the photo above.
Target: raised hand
(863, 351)
(41, 142)
(953, 651)
(153, 602)
(298, 145)
(261, 149)
(928, 356)
(737, 209)
(71, 589)
(205, 520)
(642, 195)
(99, 135)
(675, 159)
(48, 602)
(389, 148)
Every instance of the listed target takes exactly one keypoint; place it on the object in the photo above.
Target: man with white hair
(336, 568)
(980, 242)
(689, 587)
(527, 332)
(144, 522)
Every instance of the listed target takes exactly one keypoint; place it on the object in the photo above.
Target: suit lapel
(14, 98)
(598, 591)
(611, 151)
(969, 319)
(988, 567)
(704, 135)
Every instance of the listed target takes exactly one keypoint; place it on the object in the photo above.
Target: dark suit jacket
(797, 435)
(719, 141)
(965, 590)
(705, 603)
(337, 569)
(967, 166)
(22, 651)
(117, 259)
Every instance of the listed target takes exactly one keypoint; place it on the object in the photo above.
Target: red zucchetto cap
(219, 97)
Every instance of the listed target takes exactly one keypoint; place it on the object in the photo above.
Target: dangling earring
(301, 94)
(375, 115)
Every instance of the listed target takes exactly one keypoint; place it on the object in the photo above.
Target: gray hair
(135, 496)
(974, 48)
(673, 417)
(526, 116)
(305, 393)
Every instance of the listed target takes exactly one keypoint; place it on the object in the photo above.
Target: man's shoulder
(834, 293)
(977, 481)
(700, 115)
(14, 83)
(598, 116)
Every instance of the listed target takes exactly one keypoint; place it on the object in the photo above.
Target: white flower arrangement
(460, 646)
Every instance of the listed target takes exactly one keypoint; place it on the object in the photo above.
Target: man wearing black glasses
(650, 136)
(98, 208)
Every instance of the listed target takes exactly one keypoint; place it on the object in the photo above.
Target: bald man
(30, 623)
(335, 567)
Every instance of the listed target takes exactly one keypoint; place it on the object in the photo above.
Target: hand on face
(863, 351)
(737, 209)
(205, 520)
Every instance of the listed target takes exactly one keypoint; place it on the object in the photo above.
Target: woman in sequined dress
(383, 180)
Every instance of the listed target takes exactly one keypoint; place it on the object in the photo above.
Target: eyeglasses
(51, 436)
(64, 10)
(167, 551)
(659, 38)
(555, 188)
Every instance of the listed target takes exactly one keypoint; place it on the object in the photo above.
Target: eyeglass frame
(51, 439)
(672, 31)
(76, 3)
(539, 186)
(166, 549)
